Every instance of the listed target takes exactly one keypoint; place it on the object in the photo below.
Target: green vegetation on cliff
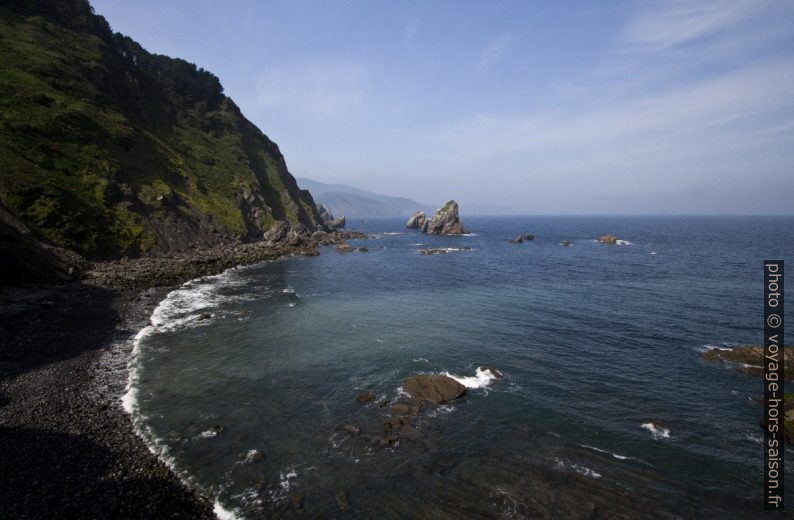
(108, 149)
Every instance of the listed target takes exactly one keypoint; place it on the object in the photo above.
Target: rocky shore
(69, 449)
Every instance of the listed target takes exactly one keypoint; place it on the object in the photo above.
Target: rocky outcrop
(443, 251)
(517, 240)
(446, 221)
(173, 269)
(329, 220)
(437, 389)
(565, 243)
(608, 239)
(418, 221)
(529, 237)
(278, 232)
(750, 359)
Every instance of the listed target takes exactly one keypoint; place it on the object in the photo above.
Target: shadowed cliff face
(109, 150)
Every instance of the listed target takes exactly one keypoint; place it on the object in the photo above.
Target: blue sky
(527, 107)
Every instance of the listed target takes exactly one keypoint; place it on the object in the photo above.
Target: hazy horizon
(544, 109)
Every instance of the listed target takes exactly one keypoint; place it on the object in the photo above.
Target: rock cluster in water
(750, 360)
(446, 221)
(608, 239)
(420, 392)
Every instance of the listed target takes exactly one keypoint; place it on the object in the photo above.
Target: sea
(244, 382)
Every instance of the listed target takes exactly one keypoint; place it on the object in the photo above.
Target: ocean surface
(244, 381)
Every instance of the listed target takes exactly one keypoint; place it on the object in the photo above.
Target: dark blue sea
(605, 408)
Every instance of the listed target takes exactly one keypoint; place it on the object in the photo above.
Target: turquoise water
(594, 342)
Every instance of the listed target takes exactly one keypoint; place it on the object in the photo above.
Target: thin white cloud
(495, 50)
(667, 24)
(710, 117)
(317, 90)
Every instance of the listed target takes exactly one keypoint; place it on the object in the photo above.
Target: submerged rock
(529, 237)
(750, 359)
(363, 250)
(608, 239)
(441, 250)
(352, 430)
(565, 243)
(365, 397)
(253, 456)
(344, 248)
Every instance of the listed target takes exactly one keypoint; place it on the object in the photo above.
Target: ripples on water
(596, 344)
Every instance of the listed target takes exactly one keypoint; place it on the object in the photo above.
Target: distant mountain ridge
(341, 199)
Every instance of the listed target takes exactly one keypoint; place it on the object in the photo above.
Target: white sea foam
(710, 346)
(619, 457)
(653, 252)
(587, 472)
(420, 360)
(481, 378)
(288, 290)
(222, 513)
(285, 479)
(393, 233)
(181, 308)
(623, 243)
(209, 434)
(578, 468)
(443, 409)
(379, 340)
(658, 432)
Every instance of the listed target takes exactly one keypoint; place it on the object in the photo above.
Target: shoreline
(64, 354)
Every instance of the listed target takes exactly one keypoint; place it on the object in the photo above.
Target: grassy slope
(101, 141)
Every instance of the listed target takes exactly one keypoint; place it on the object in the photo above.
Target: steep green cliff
(108, 149)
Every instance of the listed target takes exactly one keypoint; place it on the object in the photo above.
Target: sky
(508, 107)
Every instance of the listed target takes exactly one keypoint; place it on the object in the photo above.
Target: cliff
(110, 150)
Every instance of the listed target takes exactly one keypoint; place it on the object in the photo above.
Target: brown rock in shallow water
(398, 409)
(364, 397)
(608, 239)
(437, 389)
(344, 248)
(750, 359)
(352, 430)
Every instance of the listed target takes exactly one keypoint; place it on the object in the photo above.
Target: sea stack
(418, 221)
(446, 221)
